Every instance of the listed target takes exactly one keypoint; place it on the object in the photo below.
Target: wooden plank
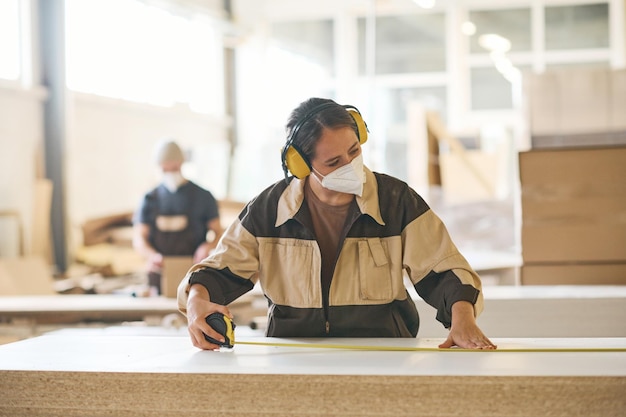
(73, 308)
(16, 218)
(166, 376)
(25, 276)
(122, 394)
(437, 128)
(174, 269)
(41, 238)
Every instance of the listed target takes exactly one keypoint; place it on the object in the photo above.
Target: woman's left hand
(464, 331)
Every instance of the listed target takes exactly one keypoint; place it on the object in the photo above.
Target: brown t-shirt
(329, 224)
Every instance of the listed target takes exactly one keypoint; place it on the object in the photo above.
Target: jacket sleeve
(229, 272)
(442, 290)
(440, 274)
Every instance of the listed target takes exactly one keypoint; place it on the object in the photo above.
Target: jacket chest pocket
(289, 275)
(374, 270)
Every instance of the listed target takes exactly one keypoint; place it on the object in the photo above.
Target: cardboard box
(574, 274)
(573, 205)
(575, 101)
(617, 121)
(542, 105)
(174, 269)
(584, 100)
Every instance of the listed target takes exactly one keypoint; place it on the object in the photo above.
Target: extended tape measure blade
(395, 348)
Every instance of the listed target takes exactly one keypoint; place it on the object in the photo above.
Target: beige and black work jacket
(395, 234)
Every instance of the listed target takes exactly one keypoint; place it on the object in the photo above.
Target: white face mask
(347, 179)
(173, 180)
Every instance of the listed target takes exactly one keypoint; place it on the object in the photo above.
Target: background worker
(174, 218)
(330, 246)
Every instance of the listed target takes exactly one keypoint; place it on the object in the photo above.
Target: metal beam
(52, 59)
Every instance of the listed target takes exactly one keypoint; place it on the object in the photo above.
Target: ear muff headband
(294, 160)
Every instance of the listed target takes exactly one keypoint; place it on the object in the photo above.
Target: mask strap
(315, 173)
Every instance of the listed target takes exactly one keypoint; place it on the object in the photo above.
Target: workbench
(510, 311)
(83, 307)
(543, 311)
(98, 375)
(533, 311)
(33, 315)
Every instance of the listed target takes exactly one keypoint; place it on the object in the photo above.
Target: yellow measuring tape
(226, 327)
(427, 349)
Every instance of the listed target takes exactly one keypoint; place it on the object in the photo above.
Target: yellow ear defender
(293, 158)
(360, 123)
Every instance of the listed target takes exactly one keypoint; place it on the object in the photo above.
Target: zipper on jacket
(326, 304)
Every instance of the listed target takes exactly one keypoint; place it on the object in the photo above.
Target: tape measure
(426, 349)
(224, 325)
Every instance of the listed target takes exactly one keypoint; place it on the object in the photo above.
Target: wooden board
(174, 269)
(72, 308)
(41, 235)
(165, 376)
(29, 275)
(107, 308)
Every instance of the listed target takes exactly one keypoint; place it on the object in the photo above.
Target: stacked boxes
(573, 181)
(576, 107)
(574, 215)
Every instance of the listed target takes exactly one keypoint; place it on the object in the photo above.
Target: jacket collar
(293, 196)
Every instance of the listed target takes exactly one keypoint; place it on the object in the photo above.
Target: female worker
(330, 246)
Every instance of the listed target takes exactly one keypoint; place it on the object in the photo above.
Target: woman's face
(334, 149)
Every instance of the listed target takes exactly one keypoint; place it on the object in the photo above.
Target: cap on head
(168, 151)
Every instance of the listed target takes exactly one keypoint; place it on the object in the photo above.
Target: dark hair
(310, 123)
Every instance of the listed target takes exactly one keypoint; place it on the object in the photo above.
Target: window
(579, 65)
(577, 27)
(300, 63)
(490, 90)
(406, 44)
(310, 41)
(9, 39)
(390, 120)
(407, 48)
(513, 24)
(129, 50)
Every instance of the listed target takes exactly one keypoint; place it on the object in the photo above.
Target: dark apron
(172, 236)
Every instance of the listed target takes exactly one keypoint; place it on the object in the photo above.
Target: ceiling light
(468, 28)
(425, 4)
(494, 42)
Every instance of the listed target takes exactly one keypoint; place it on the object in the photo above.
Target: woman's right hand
(199, 307)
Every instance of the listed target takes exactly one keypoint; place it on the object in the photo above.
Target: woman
(330, 246)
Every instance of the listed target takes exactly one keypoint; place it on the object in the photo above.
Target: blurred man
(175, 217)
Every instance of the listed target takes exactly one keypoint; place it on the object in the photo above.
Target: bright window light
(425, 4)
(288, 70)
(9, 39)
(494, 42)
(468, 28)
(128, 50)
